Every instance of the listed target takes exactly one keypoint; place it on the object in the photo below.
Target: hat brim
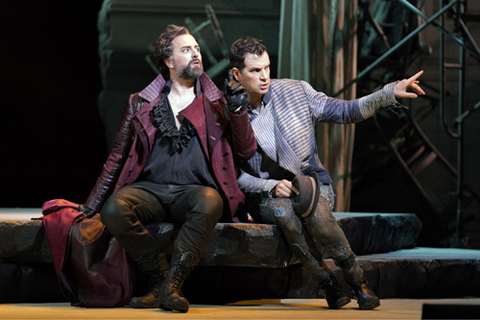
(305, 204)
(314, 175)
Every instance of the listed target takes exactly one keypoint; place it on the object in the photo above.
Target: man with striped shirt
(283, 113)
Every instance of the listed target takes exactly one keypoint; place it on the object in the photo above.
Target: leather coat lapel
(144, 126)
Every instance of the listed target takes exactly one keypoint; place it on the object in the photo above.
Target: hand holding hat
(305, 201)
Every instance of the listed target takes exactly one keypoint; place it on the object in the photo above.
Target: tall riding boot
(280, 211)
(157, 270)
(170, 296)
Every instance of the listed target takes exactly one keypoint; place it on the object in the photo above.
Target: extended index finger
(230, 75)
(415, 76)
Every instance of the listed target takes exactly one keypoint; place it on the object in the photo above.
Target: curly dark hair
(241, 47)
(163, 48)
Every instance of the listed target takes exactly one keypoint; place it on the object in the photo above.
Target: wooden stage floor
(255, 309)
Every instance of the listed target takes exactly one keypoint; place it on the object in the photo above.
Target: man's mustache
(193, 61)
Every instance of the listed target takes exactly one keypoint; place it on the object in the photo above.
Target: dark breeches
(127, 211)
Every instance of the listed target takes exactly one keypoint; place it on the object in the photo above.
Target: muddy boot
(170, 296)
(367, 299)
(157, 270)
(346, 260)
(334, 294)
(332, 290)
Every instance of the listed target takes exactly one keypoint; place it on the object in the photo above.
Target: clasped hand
(284, 189)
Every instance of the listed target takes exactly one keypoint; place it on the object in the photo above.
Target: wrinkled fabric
(92, 268)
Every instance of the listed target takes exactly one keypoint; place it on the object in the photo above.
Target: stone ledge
(237, 245)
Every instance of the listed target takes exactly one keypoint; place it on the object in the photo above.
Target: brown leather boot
(170, 296)
(157, 270)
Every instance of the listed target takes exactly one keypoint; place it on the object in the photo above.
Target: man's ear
(235, 73)
(168, 63)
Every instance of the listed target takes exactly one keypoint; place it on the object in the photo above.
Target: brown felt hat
(306, 201)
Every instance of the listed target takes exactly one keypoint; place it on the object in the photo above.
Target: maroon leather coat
(222, 139)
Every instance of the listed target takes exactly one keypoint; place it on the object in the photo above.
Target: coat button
(225, 182)
(231, 197)
(226, 154)
(224, 168)
(213, 138)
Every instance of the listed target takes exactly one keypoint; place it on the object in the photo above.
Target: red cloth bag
(93, 270)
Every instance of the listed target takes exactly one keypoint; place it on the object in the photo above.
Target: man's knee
(208, 201)
(115, 215)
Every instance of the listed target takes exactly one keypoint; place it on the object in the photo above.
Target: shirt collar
(268, 96)
(205, 85)
(265, 100)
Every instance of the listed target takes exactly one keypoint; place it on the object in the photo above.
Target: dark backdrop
(52, 139)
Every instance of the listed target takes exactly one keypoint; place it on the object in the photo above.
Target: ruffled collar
(164, 121)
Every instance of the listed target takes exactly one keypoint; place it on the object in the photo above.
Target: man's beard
(191, 73)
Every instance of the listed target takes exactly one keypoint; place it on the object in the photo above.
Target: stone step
(407, 273)
(410, 273)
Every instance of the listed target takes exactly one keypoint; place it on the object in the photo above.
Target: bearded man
(173, 160)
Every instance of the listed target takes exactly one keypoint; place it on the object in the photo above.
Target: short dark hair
(241, 47)
(163, 48)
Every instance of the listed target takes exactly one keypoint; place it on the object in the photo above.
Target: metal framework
(466, 43)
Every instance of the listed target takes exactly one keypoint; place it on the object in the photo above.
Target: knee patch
(282, 212)
(343, 256)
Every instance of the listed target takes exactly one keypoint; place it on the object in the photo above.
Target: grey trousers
(313, 235)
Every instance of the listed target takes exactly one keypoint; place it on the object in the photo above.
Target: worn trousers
(320, 230)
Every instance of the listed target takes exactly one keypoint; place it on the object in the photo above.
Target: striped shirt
(285, 129)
